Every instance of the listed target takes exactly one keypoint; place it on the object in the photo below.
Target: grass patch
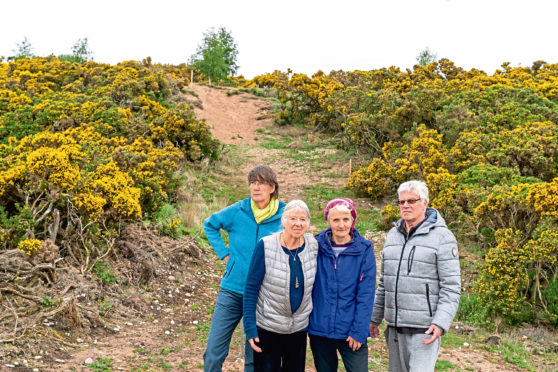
(444, 365)
(165, 366)
(274, 143)
(377, 360)
(219, 187)
(183, 365)
(316, 197)
(166, 350)
(142, 351)
(514, 353)
(368, 220)
(454, 340)
(202, 331)
(260, 92)
(208, 189)
(189, 91)
(101, 365)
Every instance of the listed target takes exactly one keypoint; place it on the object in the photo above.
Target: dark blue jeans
(325, 349)
(226, 316)
(280, 352)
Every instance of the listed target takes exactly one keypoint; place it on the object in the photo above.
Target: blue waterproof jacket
(244, 233)
(343, 294)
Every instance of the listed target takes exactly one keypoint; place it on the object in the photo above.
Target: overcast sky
(303, 35)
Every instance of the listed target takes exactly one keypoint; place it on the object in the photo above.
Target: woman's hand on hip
(252, 343)
(354, 344)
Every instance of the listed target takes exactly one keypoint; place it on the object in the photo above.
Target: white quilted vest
(273, 311)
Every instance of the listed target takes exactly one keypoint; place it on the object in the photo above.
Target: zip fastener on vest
(300, 308)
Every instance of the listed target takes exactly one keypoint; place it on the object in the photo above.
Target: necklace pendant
(296, 283)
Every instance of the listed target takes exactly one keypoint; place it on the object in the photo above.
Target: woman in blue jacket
(246, 222)
(343, 294)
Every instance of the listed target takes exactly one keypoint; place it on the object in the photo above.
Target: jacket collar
(246, 208)
(433, 219)
(325, 243)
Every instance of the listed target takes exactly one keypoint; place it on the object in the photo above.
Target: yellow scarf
(264, 213)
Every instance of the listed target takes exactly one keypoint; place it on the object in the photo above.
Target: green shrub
(472, 312)
(550, 296)
(104, 272)
(47, 301)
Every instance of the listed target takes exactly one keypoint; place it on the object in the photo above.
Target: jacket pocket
(428, 299)
(229, 269)
(410, 259)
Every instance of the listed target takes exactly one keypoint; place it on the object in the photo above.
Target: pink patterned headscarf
(345, 202)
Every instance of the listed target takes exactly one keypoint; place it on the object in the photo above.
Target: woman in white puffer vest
(278, 293)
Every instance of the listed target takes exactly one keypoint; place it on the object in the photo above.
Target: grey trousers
(409, 354)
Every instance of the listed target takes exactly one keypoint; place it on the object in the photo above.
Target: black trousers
(325, 350)
(280, 352)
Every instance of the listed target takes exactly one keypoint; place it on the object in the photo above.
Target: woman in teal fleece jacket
(246, 222)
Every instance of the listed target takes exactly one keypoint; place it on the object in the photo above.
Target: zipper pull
(361, 276)
(335, 264)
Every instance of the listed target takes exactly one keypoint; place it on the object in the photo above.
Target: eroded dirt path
(240, 119)
(234, 116)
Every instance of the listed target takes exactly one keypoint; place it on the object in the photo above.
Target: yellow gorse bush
(504, 276)
(29, 246)
(90, 146)
(487, 146)
(544, 198)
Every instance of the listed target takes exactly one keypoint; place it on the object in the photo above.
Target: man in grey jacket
(420, 283)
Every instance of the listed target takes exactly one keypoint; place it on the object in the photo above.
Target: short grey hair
(295, 205)
(418, 187)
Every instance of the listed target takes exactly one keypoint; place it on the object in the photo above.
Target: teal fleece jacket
(244, 233)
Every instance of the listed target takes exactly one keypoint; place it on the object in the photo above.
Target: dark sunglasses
(408, 201)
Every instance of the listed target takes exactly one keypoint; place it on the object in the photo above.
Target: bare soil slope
(234, 116)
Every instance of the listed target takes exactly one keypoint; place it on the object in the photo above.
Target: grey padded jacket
(420, 279)
(273, 310)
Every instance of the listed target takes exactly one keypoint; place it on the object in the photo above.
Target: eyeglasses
(408, 201)
(295, 220)
(257, 183)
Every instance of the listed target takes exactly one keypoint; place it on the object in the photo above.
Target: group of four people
(288, 285)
